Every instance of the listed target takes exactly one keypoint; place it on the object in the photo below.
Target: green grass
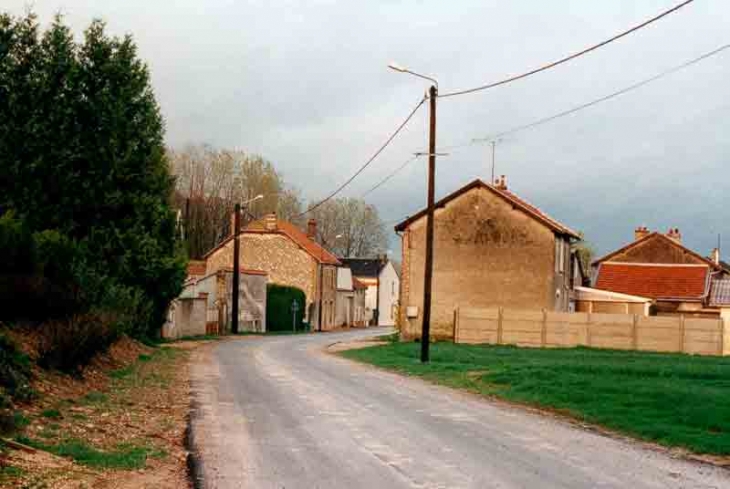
(95, 397)
(675, 400)
(122, 372)
(51, 413)
(125, 456)
(144, 358)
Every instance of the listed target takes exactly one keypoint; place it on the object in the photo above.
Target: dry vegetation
(120, 426)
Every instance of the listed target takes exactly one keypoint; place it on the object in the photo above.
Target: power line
(367, 163)
(597, 101)
(390, 175)
(570, 57)
(573, 110)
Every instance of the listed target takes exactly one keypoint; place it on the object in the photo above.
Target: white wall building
(383, 285)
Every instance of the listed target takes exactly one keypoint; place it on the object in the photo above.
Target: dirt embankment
(120, 425)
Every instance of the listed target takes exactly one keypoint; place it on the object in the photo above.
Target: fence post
(588, 330)
(500, 316)
(635, 333)
(456, 324)
(723, 333)
(681, 333)
(543, 329)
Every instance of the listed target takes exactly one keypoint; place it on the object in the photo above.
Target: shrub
(279, 315)
(68, 344)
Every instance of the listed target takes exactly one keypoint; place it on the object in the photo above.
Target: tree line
(91, 199)
(209, 181)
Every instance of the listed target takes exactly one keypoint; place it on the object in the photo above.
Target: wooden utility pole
(428, 273)
(236, 267)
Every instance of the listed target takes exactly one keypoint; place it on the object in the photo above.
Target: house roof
(518, 202)
(364, 267)
(720, 293)
(598, 295)
(357, 284)
(655, 235)
(292, 232)
(658, 281)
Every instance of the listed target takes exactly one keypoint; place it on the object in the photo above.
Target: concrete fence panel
(611, 331)
(657, 333)
(597, 330)
(522, 328)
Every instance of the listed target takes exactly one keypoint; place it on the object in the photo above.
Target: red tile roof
(657, 281)
(196, 267)
(357, 284)
(289, 230)
(519, 203)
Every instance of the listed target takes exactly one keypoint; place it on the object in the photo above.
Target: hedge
(279, 299)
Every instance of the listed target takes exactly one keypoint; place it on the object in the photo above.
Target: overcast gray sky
(305, 84)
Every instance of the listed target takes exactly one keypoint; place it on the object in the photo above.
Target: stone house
(658, 266)
(491, 249)
(383, 285)
(350, 299)
(289, 257)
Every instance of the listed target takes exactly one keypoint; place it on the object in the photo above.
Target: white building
(383, 284)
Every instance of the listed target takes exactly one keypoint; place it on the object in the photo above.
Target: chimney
(674, 234)
(501, 183)
(312, 229)
(233, 222)
(270, 222)
(715, 256)
(640, 232)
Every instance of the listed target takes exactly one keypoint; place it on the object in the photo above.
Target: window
(392, 289)
(559, 255)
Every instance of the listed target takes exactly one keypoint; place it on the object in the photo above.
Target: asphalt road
(278, 412)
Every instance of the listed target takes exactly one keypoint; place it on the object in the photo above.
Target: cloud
(306, 85)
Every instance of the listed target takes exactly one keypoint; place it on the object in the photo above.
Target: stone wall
(286, 263)
(486, 254)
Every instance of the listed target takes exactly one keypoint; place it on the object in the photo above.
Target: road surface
(278, 412)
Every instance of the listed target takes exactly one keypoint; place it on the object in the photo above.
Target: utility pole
(321, 287)
(428, 274)
(236, 267)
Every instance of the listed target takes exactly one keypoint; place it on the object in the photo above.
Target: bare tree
(363, 232)
(210, 181)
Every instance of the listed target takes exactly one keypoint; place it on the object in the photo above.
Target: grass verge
(674, 400)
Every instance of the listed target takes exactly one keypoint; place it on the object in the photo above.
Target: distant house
(659, 267)
(491, 249)
(383, 284)
(350, 299)
(288, 256)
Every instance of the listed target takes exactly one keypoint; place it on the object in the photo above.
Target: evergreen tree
(82, 153)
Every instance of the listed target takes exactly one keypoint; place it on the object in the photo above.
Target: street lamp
(428, 272)
(321, 284)
(236, 260)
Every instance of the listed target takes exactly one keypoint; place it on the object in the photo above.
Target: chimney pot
(675, 234)
(270, 222)
(312, 229)
(715, 256)
(640, 232)
(501, 182)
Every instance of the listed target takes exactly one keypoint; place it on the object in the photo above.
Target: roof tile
(658, 281)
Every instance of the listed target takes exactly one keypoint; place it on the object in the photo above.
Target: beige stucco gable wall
(486, 254)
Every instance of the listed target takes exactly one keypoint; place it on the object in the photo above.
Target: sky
(306, 85)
